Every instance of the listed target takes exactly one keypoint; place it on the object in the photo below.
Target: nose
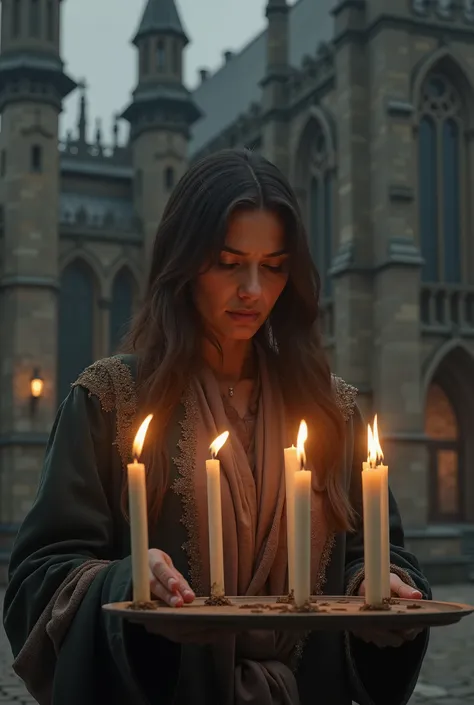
(250, 286)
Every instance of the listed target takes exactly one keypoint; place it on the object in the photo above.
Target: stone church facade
(368, 107)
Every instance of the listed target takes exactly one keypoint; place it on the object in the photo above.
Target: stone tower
(377, 269)
(160, 114)
(274, 86)
(32, 87)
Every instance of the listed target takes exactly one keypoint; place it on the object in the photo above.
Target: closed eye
(275, 267)
(228, 265)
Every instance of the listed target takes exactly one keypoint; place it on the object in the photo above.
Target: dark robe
(77, 518)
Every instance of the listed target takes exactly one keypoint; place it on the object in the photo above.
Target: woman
(226, 338)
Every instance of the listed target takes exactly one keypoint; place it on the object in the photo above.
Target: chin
(241, 333)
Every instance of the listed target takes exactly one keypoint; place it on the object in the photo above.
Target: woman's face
(236, 295)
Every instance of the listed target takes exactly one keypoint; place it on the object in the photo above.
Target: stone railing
(457, 10)
(445, 307)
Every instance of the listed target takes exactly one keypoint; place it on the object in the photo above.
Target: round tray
(325, 613)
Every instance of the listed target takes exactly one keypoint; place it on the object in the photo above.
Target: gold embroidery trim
(111, 381)
(184, 487)
(346, 396)
(356, 580)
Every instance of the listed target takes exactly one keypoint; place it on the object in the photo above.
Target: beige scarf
(253, 667)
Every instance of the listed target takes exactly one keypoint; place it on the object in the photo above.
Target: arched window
(176, 57)
(122, 307)
(145, 58)
(50, 21)
(76, 324)
(445, 461)
(442, 171)
(160, 56)
(321, 207)
(16, 18)
(35, 18)
(36, 159)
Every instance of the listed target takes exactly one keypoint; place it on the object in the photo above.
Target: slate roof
(232, 89)
(160, 16)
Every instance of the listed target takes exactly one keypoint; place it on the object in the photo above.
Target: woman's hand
(391, 637)
(166, 582)
(168, 585)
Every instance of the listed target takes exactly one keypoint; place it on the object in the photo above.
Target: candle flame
(140, 437)
(302, 438)
(218, 443)
(375, 454)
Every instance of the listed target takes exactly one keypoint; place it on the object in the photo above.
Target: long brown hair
(166, 333)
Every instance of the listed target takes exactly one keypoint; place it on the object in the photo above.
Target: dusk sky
(96, 46)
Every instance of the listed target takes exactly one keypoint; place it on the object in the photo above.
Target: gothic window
(321, 209)
(169, 178)
(50, 24)
(442, 171)
(160, 56)
(34, 18)
(144, 58)
(176, 57)
(122, 307)
(16, 18)
(36, 159)
(76, 324)
(445, 459)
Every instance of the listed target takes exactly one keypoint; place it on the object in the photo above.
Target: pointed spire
(98, 133)
(82, 120)
(160, 16)
(115, 132)
(276, 6)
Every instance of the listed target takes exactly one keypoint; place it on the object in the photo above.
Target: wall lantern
(36, 386)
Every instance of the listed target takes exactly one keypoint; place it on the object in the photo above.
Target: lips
(244, 316)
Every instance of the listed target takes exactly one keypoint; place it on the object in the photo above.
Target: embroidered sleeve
(346, 396)
(111, 381)
(356, 580)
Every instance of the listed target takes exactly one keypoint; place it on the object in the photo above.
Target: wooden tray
(326, 613)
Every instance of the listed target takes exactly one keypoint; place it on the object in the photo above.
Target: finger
(389, 639)
(398, 587)
(184, 588)
(381, 638)
(411, 634)
(179, 583)
(170, 598)
(164, 573)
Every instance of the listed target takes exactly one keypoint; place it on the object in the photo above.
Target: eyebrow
(231, 251)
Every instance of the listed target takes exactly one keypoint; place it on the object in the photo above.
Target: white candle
(139, 519)
(302, 525)
(385, 515)
(292, 466)
(385, 531)
(214, 512)
(372, 490)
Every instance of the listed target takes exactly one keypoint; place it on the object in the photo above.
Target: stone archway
(449, 416)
